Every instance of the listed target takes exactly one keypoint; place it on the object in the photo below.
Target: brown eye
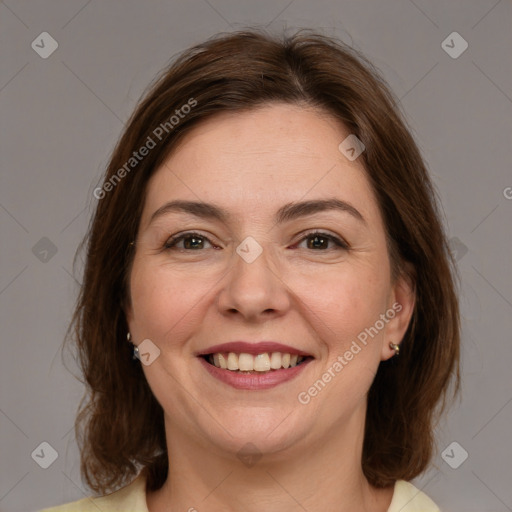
(191, 241)
(319, 241)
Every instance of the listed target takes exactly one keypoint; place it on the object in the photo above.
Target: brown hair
(120, 425)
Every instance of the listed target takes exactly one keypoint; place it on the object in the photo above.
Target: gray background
(62, 115)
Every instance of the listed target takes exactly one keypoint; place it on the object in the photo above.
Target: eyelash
(171, 242)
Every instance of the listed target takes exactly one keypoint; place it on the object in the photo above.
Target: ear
(127, 309)
(126, 300)
(400, 309)
(126, 306)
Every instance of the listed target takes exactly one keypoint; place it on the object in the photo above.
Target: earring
(394, 347)
(135, 348)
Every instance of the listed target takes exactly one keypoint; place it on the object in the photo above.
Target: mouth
(249, 364)
(254, 366)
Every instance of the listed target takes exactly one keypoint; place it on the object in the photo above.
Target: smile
(254, 380)
(248, 363)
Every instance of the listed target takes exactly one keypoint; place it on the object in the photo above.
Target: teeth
(259, 363)
(232, 361)
(245, 362)
(219, 361)
(275, 360)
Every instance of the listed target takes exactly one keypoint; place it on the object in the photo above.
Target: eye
(191, 241)
(318, 240)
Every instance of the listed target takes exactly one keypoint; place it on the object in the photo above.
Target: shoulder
(407, 498)
(131, 498)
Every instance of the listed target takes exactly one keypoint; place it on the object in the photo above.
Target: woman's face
(258, 275)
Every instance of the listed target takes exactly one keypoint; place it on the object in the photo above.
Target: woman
(268, 318)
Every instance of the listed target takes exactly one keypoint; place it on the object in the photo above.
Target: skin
(316, 298)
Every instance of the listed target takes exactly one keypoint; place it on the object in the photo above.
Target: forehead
(260, 159)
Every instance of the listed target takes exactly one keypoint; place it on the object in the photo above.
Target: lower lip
(254, 381)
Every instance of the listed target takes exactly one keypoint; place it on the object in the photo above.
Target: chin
(265, 431)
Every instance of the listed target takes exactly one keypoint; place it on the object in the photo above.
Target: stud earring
(394, 347)
(135, 348)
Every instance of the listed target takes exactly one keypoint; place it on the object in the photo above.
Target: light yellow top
(132, 498)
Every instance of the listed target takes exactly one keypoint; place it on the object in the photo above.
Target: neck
(325, 475)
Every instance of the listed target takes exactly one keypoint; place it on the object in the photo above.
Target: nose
(254, 291)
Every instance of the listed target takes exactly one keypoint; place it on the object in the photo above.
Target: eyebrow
(286, 213)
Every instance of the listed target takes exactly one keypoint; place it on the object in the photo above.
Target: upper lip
(245, 347)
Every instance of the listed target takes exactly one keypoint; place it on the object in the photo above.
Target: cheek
(344, 301)
(165, 304)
